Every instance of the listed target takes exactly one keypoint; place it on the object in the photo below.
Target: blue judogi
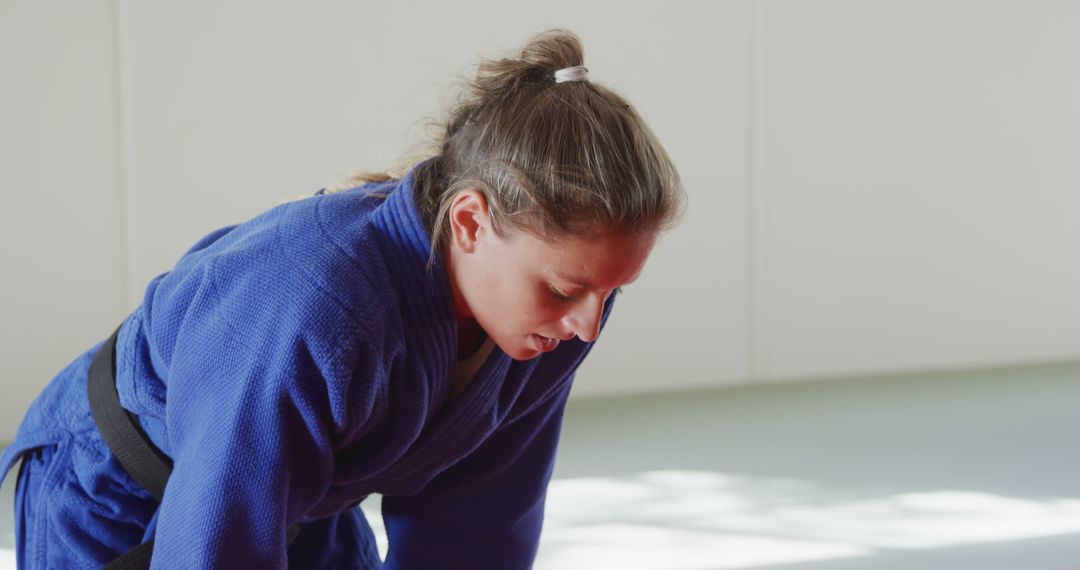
(291, 365)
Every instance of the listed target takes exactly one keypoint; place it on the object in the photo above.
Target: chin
(524, 354)
(521, 353)
(517, 350)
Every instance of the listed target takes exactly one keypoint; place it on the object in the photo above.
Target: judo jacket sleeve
(487, 510)
(249, 417)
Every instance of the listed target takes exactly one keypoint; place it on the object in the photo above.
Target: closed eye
(571, 298)
(563, 298)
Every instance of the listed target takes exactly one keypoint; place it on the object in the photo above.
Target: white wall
(916, 186)
(62, 228)
(873, 186)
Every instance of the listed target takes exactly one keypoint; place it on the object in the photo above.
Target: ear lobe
(468, 219)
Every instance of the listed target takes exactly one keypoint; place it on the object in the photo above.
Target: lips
(545, 344)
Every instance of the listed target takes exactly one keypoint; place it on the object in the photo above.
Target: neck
(469, 334)
(470, 337)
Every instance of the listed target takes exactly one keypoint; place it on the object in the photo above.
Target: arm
(251, 456)
(487, 510)
(248, 419)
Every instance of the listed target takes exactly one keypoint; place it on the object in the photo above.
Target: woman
(415, 337)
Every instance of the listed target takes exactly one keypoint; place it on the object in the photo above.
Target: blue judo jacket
(290, 366)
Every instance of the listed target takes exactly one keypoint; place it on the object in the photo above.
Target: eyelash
(569, 299)
(561, 297)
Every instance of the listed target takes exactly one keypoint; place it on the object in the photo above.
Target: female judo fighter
(413, 335)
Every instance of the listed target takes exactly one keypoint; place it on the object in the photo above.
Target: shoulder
(310, 255)
(306, 268)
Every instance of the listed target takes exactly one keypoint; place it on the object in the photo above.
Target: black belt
(127, 441)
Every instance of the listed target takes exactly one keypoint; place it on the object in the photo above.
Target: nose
(584, 320)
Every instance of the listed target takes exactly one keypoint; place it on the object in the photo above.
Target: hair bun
(554, 50)
(546, 53)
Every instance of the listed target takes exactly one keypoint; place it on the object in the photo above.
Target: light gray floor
(977, 469)
(957, 470)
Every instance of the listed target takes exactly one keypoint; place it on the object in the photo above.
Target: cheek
(531, 308)
(545, 309)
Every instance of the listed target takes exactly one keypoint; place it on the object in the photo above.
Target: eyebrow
(583, 283)
(578, 282)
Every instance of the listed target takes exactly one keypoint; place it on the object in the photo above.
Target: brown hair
(551, 158)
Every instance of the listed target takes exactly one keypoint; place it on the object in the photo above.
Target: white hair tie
(575, 73)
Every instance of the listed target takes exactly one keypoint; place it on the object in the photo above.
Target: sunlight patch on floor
(7, 554)
(373, 513)
(698, 520)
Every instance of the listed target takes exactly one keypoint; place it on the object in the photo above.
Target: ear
(469, 219)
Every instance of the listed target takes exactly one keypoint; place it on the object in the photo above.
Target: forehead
(604, 260)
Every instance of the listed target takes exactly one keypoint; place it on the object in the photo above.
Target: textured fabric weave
(291, 365)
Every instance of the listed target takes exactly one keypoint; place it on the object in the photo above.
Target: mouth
(545, 344)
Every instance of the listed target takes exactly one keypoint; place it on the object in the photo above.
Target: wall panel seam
(123, 155)
(756, 359)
